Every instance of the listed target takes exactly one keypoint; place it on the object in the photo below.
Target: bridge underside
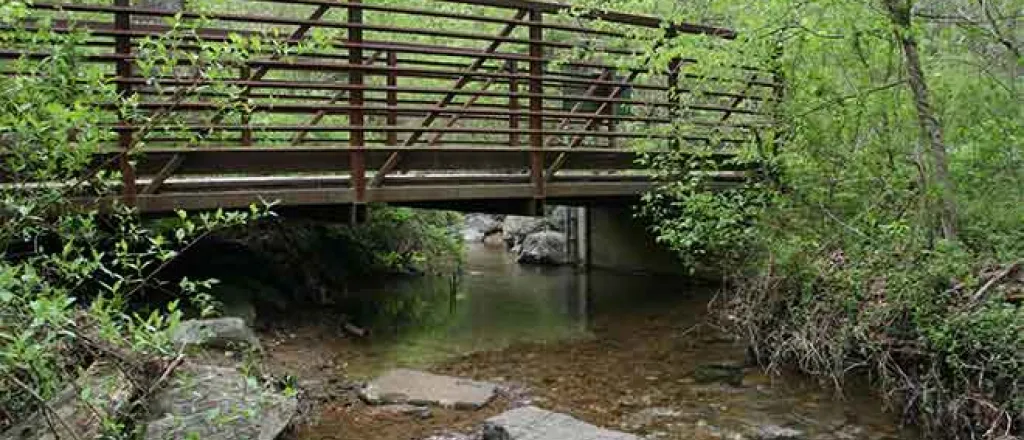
(457, 178)
(485, 192)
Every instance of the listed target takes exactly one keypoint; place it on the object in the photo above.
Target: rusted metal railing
(499, 90)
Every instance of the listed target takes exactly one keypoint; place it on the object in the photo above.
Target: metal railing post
(674, 99)
(537, 108)
(357, 135)
(246, 119)
(392, 98)
(513, 103)
(123, 46)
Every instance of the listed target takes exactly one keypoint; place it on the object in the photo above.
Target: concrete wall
(619, 242)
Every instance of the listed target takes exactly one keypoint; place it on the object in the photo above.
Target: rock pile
(534, 240)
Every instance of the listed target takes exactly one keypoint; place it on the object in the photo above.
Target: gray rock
(214, 403)
(725, 372)
(558, 217)
(472, 236)
(479, 226)
(532, 423)
(547, 247)
(484, 223)
(516, 228)
(228, 333)
(101, 392)
(776, 432)
(495, 432)
(420, 388)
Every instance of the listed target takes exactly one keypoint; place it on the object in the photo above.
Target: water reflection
(496, 303)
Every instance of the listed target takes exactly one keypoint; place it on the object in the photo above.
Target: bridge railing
(363, 94)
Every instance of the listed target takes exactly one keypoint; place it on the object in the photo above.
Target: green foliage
(701, 222)
(404, 239)
(70, 273)
(834, 246)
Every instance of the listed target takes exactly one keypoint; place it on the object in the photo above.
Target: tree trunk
(931, 129)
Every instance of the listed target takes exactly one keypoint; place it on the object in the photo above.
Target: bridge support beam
(577, 236)
(611, 238)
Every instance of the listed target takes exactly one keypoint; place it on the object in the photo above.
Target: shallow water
(495, 303)
(621, 351)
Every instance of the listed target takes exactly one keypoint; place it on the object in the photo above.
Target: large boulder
(516, 228)
(471, 236)
(214, 403)
(558, 217)
(227, 333)
(546, 247)
(478, 226)
(100, 393)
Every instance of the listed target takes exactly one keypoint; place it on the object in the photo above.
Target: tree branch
(860, 94)
(46, 407)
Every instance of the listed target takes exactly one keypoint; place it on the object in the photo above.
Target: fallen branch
(992, 281)
(353, 330)
(165, 375)
(47, 409)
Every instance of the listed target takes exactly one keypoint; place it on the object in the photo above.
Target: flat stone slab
(421, 388)
(532, 423)
(214, 403)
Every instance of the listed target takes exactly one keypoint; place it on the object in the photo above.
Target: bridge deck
(358, 101)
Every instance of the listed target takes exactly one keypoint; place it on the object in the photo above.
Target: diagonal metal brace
(460, 83)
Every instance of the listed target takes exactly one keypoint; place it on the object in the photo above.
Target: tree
(931, 128)
(902, 123)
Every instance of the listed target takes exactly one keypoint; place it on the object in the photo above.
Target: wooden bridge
(431, 102)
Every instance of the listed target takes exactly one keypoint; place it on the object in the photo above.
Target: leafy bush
(72, 268)
(843, 254)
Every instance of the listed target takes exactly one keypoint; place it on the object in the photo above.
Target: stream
(626, 352)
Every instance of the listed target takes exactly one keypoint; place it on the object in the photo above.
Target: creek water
(622, 351)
